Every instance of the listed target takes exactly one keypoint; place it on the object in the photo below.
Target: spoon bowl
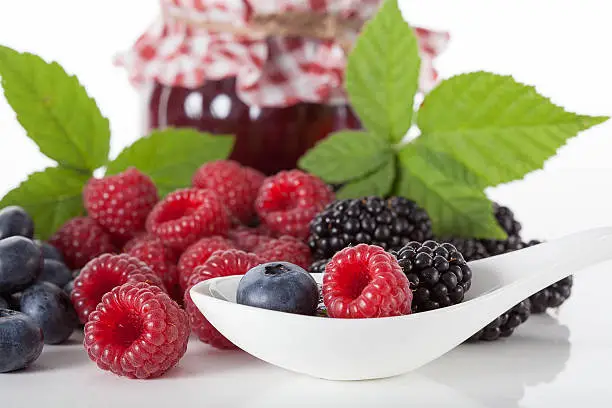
(360, 349)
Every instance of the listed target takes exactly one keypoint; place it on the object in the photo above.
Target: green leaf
(346, 156)
(51, 197)
(448, 166)
(171, 156)
(378, 183)
(55, 110)
(383, 72)
(456, 209)
(496, 127)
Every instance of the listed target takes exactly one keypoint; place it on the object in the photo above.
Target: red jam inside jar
(269, 139)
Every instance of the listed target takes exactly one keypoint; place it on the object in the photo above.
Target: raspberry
(225, 263)
(365, 281)
(288, 201)
(137, 331)
(197, 254)
(248, 239)
(161, 259)
(388, 223)
(138, 238)
(438, 274)
(80, 240)
(229, 180)
(103, 274)
(255, 179)
(285, 248)
(121, 203)
(187, 215)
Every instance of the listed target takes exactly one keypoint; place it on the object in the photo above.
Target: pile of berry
(35, 306)
(437, 270)
(135, 258)
(125, 270)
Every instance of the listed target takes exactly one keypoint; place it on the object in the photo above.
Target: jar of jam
(269, 73)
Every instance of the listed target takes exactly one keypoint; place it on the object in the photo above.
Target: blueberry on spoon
(280, 286)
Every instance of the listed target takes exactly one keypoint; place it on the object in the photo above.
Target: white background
(560, 46)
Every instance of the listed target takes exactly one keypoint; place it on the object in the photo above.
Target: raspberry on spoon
(363, 282)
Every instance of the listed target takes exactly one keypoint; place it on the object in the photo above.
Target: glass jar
(221, 67)
(269, 138)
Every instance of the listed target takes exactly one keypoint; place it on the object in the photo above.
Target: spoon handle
(525, 272)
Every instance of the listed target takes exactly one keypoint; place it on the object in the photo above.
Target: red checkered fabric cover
(271, 72)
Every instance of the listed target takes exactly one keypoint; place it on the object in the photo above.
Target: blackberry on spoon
(438, 274)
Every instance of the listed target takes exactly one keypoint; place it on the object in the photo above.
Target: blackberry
(504, 325)
(554, 295)
(438, 274)
(389, 223)
(471, 249)
(505, 219)
(321, 308)
(318, 266)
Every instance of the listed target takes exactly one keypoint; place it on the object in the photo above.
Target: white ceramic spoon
(359, 349)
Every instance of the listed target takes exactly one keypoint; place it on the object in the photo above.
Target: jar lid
(197, 40)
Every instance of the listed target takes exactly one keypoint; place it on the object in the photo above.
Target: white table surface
(553, 360)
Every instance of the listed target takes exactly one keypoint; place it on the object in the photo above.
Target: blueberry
(21, 340)
(14, 301)
(3, 303)
(279, 286)
(15, 221)
(20, 264)
(49, 251)
(69, 287)
(52, 311)
(55, 272)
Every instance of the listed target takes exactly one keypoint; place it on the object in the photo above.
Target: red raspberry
(255, 179)
(248, 239)
(187, 215)
(161, 259)
(287, 249)
(121, 203)
(226, 263)
(197, 254)
(137, 331)
(365, 281)
(103, 274)
(229, 181)
(138, 238)
(80, 240)
(288, 201)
